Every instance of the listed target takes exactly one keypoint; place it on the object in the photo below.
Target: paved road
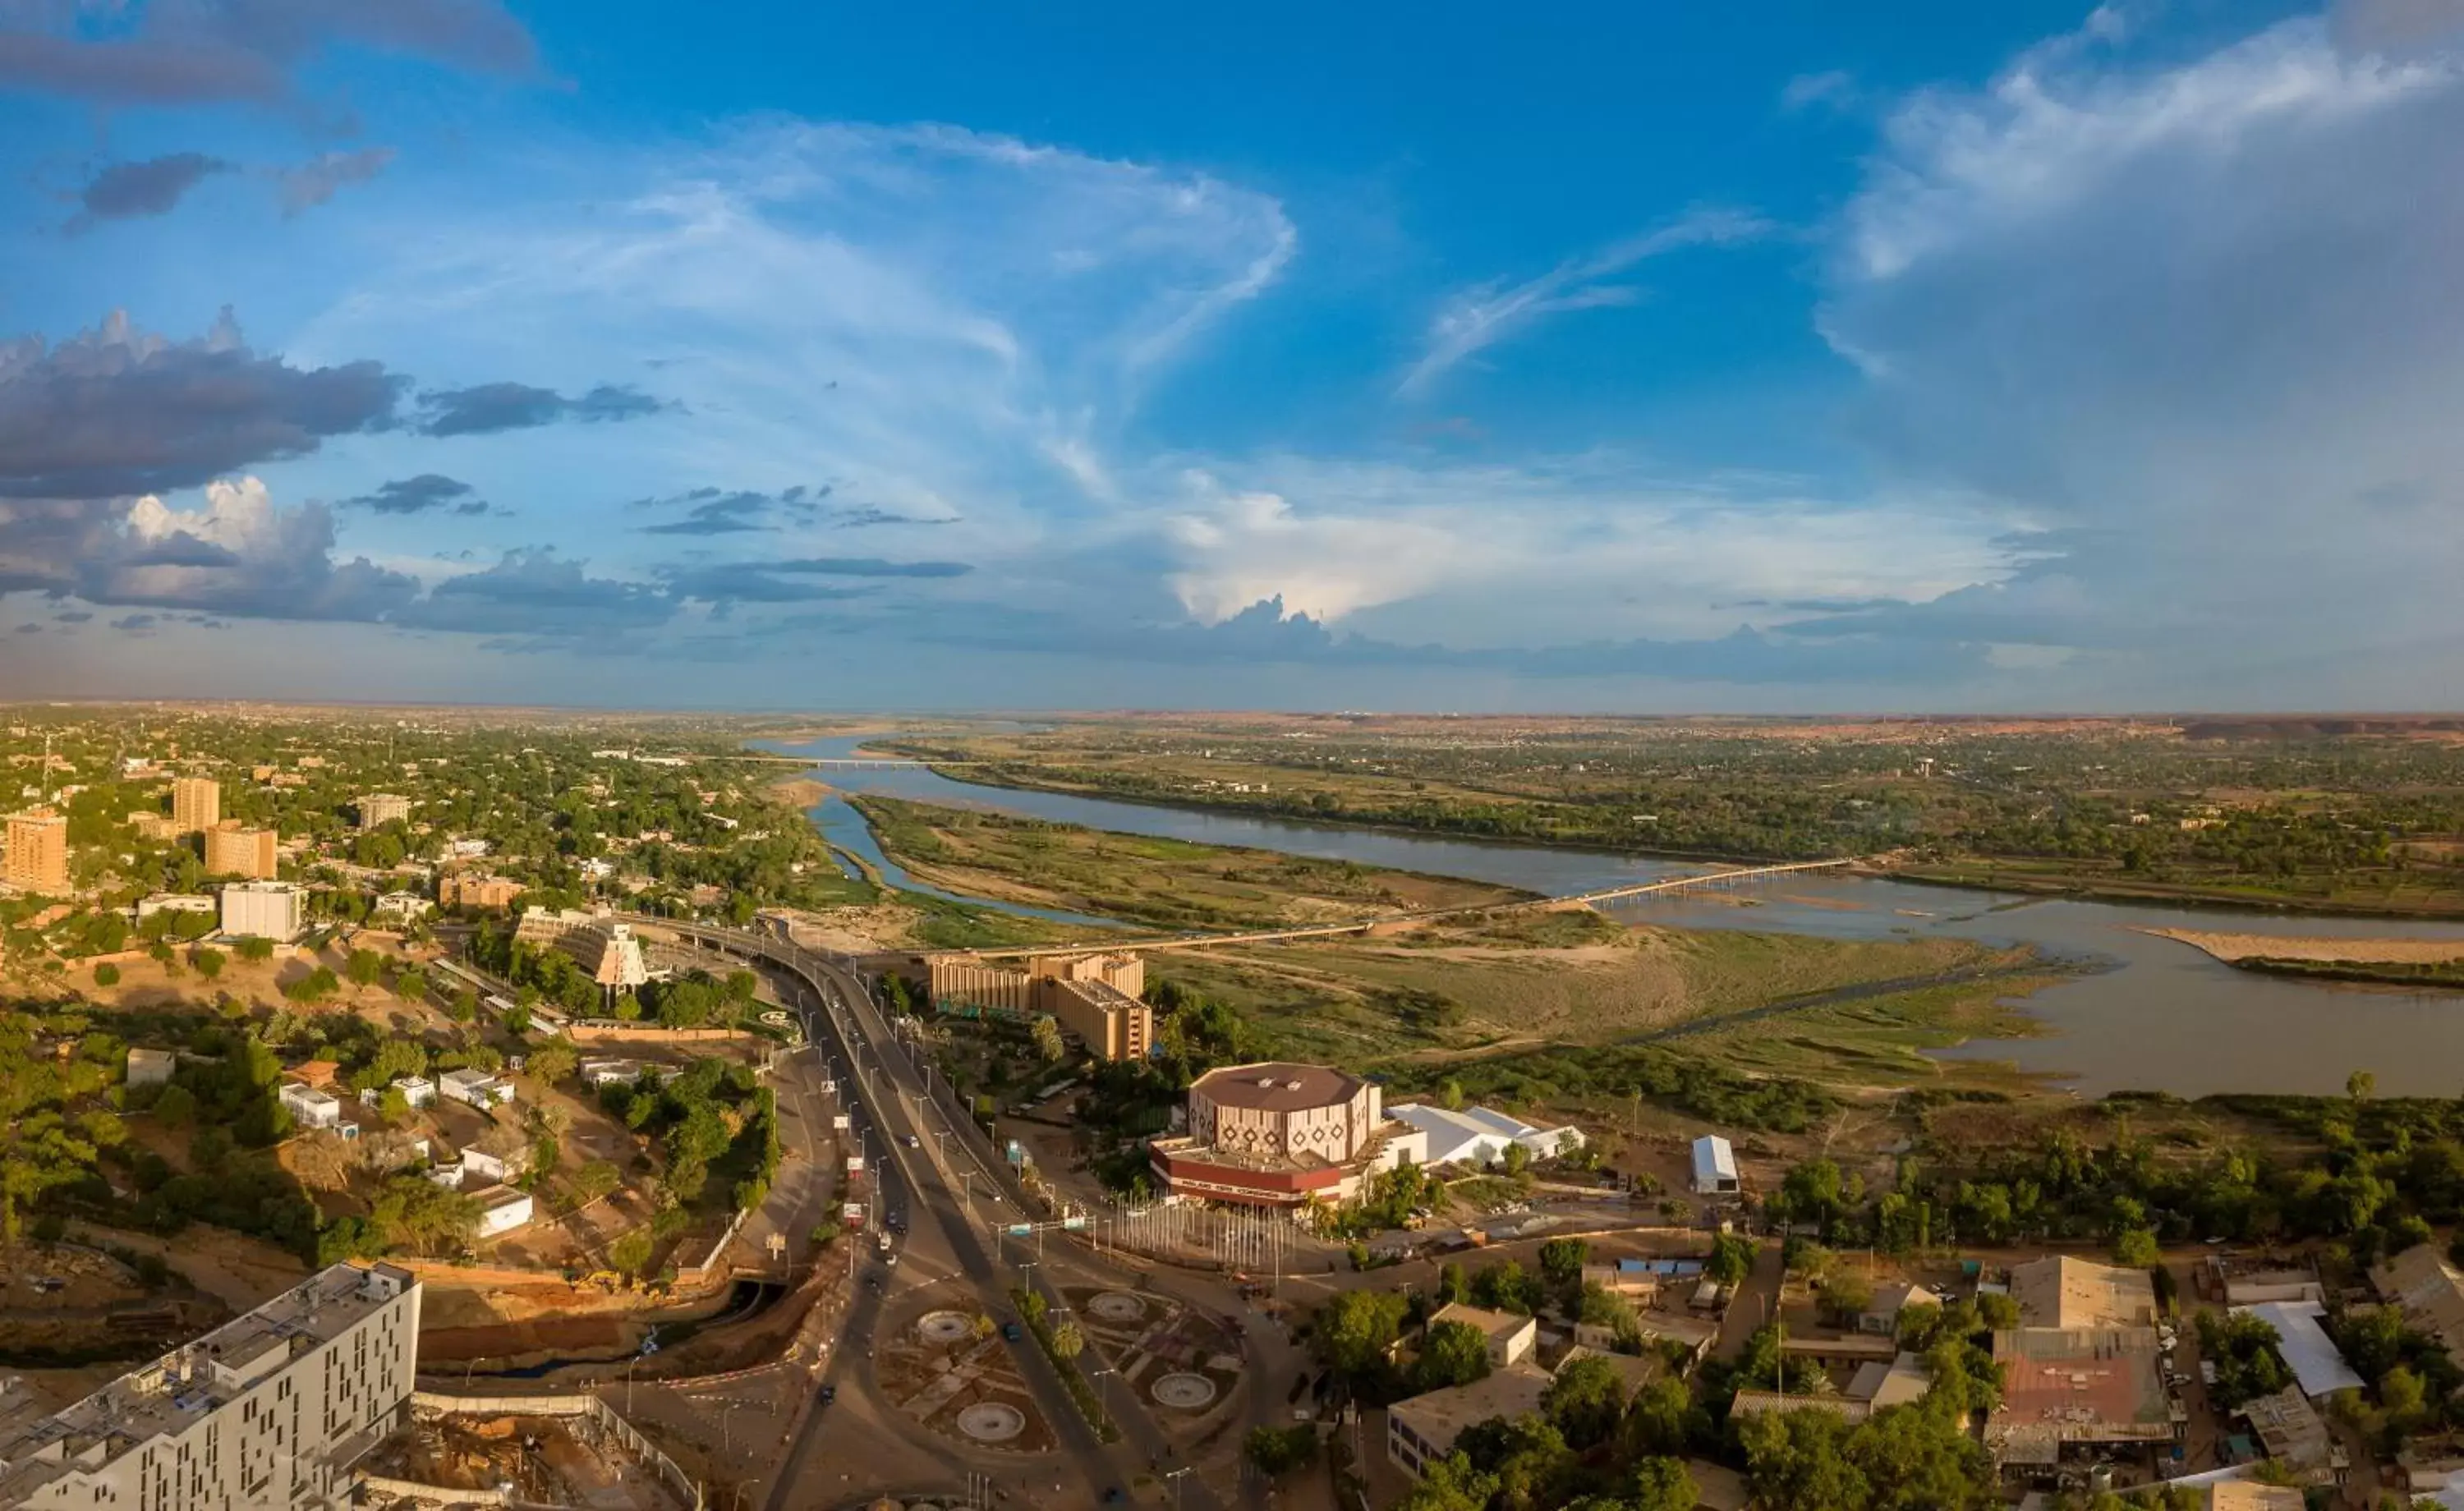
(886, 1109)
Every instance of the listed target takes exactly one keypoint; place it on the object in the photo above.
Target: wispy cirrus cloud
(1482, 316)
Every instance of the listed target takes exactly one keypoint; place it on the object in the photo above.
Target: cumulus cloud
(321, 178)
(2195, 324)
(151, 187)
(487, 408)
(415, 495)
(116, 411)
(1482, 316)
(203, 51)
(239, 554)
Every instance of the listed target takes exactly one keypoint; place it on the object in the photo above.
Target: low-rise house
(1641, 1278)
(308, 1106)
(402, 906)
(1901, 1382)
(1424, 1429)
(1882, 1314)
(2290, 1430)
(1694, 1335)
(2090, 1390)
(151, 1067)
(502, 1208)
(2430, 1291)
(1715, 1167)
(476, 1089)
(1511, 1336)
(2064, 1291)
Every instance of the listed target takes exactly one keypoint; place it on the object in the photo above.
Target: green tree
(553, 1061)
(2137, 1248)
(1584, 1401)
(1356, 1329)
(1731, 1261)
(1068, 1342)
(1277, 1451)
(1561, 1259)
(106, 974)
(207, 960)
(629, 1252)
(1451, 1353)
(256, 948)
(1049, 1043)
(1663, 1484)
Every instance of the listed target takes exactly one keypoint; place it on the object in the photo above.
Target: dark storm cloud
(412, 496)
(487, 408)
(115, 412)
(200, 52)
(536, 592)
(153, 187)
(319, 179)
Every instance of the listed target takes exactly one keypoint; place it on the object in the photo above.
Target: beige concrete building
(39, 852)
(380, 808)
(275, 910)
(2430, 1291)
(1094, 998)
(270, 1410)
(1510, 1336)
(473, 889)
(599, 945)
(196, 804)
(1423, 1429)
(2064, 1291)
(234, 850)
(1286, 1110)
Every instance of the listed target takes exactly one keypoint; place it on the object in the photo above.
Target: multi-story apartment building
(39, 852)
(270, 1410)
(472, 889)
(275, 910)
(380, 808)
(233, 850)
(196, 804)
(1093, 996)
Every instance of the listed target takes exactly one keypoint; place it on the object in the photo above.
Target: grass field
(1164, 884)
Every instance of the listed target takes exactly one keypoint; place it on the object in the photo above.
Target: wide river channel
(2158, 1016)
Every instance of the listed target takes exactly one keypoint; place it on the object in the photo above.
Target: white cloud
(1479, 317)
(2198, 323)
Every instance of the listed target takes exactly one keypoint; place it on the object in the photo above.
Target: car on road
(1009, 1332)
(829, 1393)
(913, 1142)
(1113, 1496)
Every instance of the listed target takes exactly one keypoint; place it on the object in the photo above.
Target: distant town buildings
(196, 804)
(39, 852)
(276, 910)
(474, 1089)
(402, 906)
(150, 1067)
(502, 1208)
(1510, 1336)
(1279, 1134)
(234, 850)
(310, 1108)
(272, 1409)
(1423, 1429)
(380, 808)
(2064, 1291)
(473, 889)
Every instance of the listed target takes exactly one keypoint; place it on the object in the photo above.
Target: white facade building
(502, 1208)
(1715, 1167)
(275, 910)
(1480, 1135)
(310, 1108)
(475, 1088)
(269, 1411)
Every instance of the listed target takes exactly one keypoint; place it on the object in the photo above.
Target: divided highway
(887, 1111)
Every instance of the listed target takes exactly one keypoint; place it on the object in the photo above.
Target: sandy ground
(2282, 947)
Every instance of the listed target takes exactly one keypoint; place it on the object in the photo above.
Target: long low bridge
(1698, 881)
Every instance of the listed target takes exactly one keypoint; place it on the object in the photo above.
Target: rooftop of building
(1465, 1121)
(1440, 1416)
(1487, 1323)
(2290, 1428)
(2063, 1290)
(169, 1395)
(1277, 1085)
(2085, 1384)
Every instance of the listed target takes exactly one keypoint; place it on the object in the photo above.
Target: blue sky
(1793, 357)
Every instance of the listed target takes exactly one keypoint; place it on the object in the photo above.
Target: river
(2158, 1017)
